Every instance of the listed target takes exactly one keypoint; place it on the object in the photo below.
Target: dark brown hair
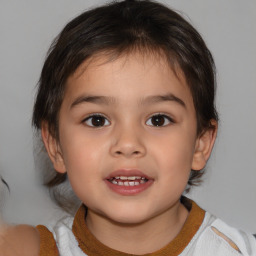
(117, 28)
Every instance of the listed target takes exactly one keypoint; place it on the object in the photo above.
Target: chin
(128, 217)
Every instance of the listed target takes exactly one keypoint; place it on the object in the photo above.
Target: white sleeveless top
(205, 241)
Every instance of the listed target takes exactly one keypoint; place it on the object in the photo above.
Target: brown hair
(118, 28)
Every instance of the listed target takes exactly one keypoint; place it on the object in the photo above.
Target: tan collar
(91, 246)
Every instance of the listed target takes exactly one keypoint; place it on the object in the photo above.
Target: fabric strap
(48, 245)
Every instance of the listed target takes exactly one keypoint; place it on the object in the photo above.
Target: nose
(128, 142)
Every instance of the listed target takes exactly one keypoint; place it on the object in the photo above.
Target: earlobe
(204, 146)
(53, 149)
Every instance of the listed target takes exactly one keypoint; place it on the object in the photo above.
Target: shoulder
(19, 240)
(222, 239)
(59, 239)
(241, 241)
(55, 238)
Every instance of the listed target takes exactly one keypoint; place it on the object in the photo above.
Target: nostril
(137, 152)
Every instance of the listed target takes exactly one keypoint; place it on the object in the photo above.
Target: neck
(139, 238)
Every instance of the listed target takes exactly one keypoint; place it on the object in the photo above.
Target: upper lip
(128, 173)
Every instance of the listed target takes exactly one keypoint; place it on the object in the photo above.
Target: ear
(53, 148)
(204, 146)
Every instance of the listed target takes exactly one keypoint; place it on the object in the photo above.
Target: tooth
(131, 183)
(123, 178)
(143, 178)
(138, 177)
(120, 183)
(132, 178)
(142, 181)
(126, 183)
(136, 183)
(117, 177)
(114, 182)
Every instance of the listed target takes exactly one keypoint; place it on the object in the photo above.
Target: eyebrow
(160, 98)
(108, 100)
(92, 99)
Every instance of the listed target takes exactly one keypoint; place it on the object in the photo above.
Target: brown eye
(159, 120)
(96, 121)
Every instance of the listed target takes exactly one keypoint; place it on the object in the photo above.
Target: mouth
(128, 182)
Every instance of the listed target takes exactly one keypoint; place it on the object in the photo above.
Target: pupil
(158, 120)
(98, 121)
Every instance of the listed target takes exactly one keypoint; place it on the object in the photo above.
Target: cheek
(83, 158)
(82, 167)
(176, 150)
(80, 147)
(174, 157)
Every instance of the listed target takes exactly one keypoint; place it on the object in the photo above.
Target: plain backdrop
(27, 28)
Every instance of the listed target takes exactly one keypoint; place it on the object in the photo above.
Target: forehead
(134, 74)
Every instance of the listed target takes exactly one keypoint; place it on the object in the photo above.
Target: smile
(128, 180)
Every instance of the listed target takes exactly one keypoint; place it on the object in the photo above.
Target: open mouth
(128, 180)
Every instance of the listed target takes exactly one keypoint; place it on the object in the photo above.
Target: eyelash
(163, 120)
(166, 120)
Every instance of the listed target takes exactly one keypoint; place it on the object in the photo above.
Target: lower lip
(129, 190)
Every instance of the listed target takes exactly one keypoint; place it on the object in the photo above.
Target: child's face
(134, 119)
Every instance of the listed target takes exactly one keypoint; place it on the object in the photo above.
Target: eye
(96, 120)
(159, 120)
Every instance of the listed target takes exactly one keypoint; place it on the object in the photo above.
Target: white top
(205, 242)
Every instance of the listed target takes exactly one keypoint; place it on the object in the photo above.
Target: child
(125, 106)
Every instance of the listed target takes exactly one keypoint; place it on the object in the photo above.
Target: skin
(130, 94)
(20, 240)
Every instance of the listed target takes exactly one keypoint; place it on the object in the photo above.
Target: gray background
(229, 28)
